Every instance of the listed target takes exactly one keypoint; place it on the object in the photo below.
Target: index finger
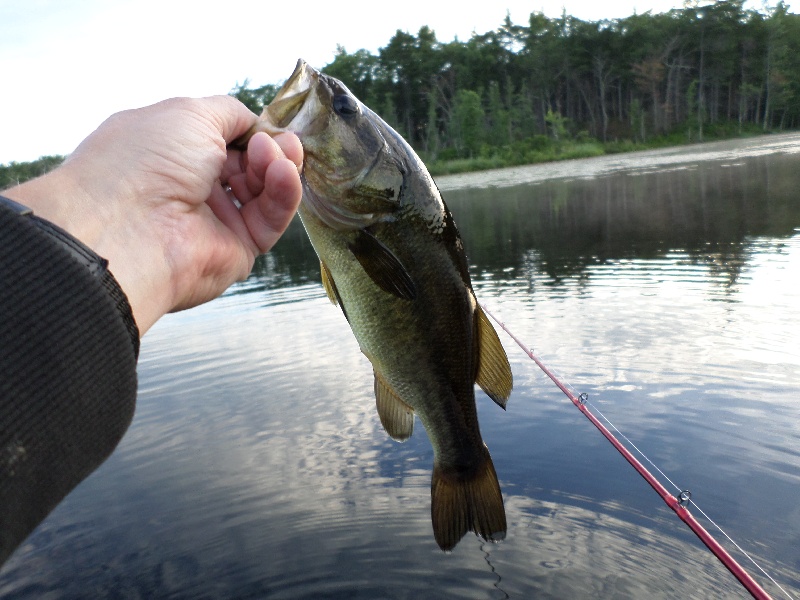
(232, 118)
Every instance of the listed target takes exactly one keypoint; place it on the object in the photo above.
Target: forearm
(137, 262)
(68, 349)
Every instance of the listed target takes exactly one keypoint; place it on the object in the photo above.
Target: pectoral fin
(396, 416)
(382, 266)
(328, 284)
(494, 372)
(330, 288)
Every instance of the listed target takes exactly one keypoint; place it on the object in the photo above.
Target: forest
(563, 87)
(527, 92)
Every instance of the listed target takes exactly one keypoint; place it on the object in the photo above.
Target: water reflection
(235, 484)
(711, 212)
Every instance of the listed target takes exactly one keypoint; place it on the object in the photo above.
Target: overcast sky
(68, 64)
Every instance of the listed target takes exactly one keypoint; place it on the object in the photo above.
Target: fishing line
(679, 504)
(688, 500)
(496, 584)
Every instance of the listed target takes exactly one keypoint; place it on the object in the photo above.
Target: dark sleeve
(68, 351)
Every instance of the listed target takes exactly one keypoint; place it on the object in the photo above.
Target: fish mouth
(279, 114)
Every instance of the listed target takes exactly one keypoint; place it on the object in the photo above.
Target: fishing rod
(678, 504)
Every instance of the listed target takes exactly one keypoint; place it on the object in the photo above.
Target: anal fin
(494, 373)
(396, 416)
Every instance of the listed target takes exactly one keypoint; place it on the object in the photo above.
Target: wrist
(63, 244)
(59, 198)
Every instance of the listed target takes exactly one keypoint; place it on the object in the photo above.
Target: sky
(66, 65)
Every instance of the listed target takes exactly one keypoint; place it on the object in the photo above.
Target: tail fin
(462, 503)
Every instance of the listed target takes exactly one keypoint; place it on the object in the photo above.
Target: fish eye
(345, 105)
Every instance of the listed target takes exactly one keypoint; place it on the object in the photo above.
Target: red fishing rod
(678, 504)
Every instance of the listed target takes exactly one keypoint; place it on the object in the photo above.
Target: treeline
(691, 73)
(555, 88)
(14, 173)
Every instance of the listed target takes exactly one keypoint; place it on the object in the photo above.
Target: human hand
(147, 191)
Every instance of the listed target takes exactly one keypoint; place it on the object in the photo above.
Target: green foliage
(15, 173)
(557, 125)
(499, 118)
(467, 124)
(636, 115)
(432, 125)
(357, 71)
(254, 98)
(694, 121)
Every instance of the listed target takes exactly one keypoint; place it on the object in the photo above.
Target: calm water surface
(664, 284)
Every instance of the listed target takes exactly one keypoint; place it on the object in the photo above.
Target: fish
(392, 259)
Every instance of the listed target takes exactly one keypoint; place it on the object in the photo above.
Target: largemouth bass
(392, 259)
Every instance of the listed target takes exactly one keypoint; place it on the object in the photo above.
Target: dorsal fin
(382, 266)
(396, 416)
(494, 372)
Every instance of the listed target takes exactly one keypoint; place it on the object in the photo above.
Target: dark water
(665, 285)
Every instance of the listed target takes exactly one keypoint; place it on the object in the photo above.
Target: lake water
(663, 284)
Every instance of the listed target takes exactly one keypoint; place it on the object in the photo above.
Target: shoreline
(643, 160)
(498, 158)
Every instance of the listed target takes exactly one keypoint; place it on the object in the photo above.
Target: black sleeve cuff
(85, 256)
(68, 352)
